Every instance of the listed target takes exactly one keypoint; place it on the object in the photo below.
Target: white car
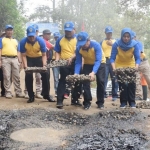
(109, 88)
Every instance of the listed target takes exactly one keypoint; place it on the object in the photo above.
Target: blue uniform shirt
(114, 53)
(140, 45)
(33, 49)
(92, 56)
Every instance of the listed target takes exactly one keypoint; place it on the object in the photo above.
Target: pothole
(40, 129)
(112, 130)
(39, 135)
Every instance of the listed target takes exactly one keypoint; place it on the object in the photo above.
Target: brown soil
(41, 134)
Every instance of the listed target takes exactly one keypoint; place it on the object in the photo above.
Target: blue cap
(75, 35)
(82, 38)
(108, 29)
(57, 34)
(36, 27)
(69, 26)
(31, 31)
(9, 27)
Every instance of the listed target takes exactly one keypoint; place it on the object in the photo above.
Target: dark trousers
(36, 62)
(48, 70)
(65, 71)
(144, 87)
(2, 82)
(127, 93)
(100, 77)
(108, 71)
(80, 85)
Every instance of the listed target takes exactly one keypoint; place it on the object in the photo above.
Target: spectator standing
(56, 70)
(10, 62)
(49, 48)
(107, 47)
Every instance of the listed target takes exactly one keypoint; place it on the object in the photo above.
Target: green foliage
(42, 13)
(9, 14)
(97, 14)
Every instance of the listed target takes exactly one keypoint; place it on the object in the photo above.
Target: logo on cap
(79, 38)
(109, 28)
(30, 29)
(67, 25)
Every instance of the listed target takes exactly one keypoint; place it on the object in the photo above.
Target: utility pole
(53, 5)
(62, 12)
(53, 9)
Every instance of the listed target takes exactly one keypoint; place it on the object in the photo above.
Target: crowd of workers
(85, 56)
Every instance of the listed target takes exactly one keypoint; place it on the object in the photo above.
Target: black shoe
(132, 105)
(105, 96)
(59, 105)
(49, 98)
(2, 94)
(76, 103)
(87, 106)
(123, 105)
(100, 106)
(31, 100)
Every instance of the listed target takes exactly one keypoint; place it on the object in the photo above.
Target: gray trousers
(11, 69)
(139, 91)
(144, 68)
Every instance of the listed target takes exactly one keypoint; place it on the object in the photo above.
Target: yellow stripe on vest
(9, 47)
(106, 48)
(89, 56)
(68, 48)
(125, 58)
(33, 50)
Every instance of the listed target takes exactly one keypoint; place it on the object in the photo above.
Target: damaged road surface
(41, 129)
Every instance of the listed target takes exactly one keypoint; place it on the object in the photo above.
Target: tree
(9, 14)
(42, 14)
(97, 14)
(94, 15)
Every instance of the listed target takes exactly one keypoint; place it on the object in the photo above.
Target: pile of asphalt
(114, 130)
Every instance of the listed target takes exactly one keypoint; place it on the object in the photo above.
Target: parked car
(109, 88)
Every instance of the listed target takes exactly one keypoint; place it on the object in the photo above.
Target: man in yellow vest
(107, 47)
(37, 76)
(65, 49)
(94, 64)
(10, 62)
(33, 51)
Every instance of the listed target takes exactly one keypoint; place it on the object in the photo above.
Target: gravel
(126, 75)
(111, 130)
(57, 63)
(143, 105)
